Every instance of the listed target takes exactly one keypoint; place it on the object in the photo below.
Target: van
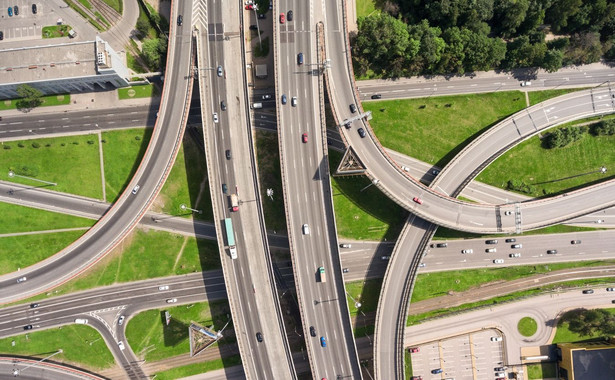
(300, 59)
(81, 321)
(257, 105)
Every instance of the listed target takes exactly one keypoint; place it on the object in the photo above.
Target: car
(289, 15)
(498, 261)
(228, 154)
(224, 188)
(600, 221)
(323, 341)
(266, 97)
(496, 338)
(345, 245)
(526, 83)
(347, 125)
(612, 301)
(216, 120)
(306, 229)
(498, 369)
(405, 168)
(385, 257)
(27, 327)
(491, 241)
(588, 291)
(135, 189)
(491, 250)
(219, 70)
(414, 349)
(180, 20)
(467, 251)
(293, 101)
(1, 35)
(10, 12)
(223, 105)
(441, 245)
(121, 320)
(21, 279)
(312, 331)
(345, 270)
(353, 108)
(304, 138)
(81, 321)
(610, 289)
(34, 9)
(253, 27)
(551, 251)
(16, 10)
(575, 242)
(508, 212)
(361, 132)
(436, 371)
(511, 240)
(262, 16)
(516, 246)
(500, 378)
(422, 265)
(416, 378)
(259, 337)
(163, 287)
(284, 100)
(376, 96)
(500, 374)
(249, 7)
(514, 254)
(417, 200)
(120, 344)
(171, 300)
(435, 172)
(282, 18)
(34, 305)
(300, 59)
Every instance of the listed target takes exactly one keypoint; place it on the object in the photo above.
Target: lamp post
(13, 174)
(183, 207)
(17, 371)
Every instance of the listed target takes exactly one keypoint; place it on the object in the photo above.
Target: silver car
(220, 72)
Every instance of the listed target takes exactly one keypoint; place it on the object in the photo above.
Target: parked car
(496, 338)
(436, 371)
(16, 10)
(10, 12)
(417, 200)
(253, 27)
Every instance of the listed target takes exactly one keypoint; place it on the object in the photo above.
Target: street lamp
(13, 174)
(183, 207)
(17, 371)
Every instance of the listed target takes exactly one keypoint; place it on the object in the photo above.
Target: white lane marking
(64, 118)
(15, 123)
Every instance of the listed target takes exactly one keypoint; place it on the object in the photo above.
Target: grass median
(17, 219)
(197, 368)
(141, 91)
(527, 326)
(541, 371)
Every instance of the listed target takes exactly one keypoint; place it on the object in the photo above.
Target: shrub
(90, 142)
(563, 136)
(21, 145)
(36, 145)
(604, 128)
(138, 138)
(7, 147)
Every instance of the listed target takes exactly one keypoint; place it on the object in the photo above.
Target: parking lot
(24, 25)
(471, 356)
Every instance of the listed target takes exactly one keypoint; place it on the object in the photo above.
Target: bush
(138, 138)
(520, 186)
(604, 128)
(7, 147)
(21, 145)
(563, 136)
(90, 142)
(36, 145)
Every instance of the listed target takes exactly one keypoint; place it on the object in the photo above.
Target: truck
(323, 278)
(234, 202)
(230, 237)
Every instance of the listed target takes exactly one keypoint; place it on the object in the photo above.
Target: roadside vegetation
(140, 91)
(365, 292)
(196, 368)
(541, 371)
(583, 324)
(16, 219)
(55, 31)
(527, 326)
(81, 346)
(269, 177)
(540, 96)
(24, 104)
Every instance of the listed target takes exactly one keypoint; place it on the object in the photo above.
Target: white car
(121, 345)
(467, 251)
(515, 254)
(405, 168)
(422, 265)
(219, 70)
(526, 83)
(216, 117)
(136, 189)
(163, 287)
(306, 229)
(21, 279)
(172, 300)
(293, 101)
(496, 338)
(121, 320)
(498, 261)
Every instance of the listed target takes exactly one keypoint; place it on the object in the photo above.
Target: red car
(249, 7)
(282, 18)
(417, 200)
(304, 138)
(414, 349)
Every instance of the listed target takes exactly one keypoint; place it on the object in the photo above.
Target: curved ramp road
(130, 207)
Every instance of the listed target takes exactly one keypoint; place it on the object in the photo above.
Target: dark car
(224, 188)
(300, 59)
(353, 108)
(441, 245)
(361, 132)
(312, 331)
(262, 16)
(376, 96)
(180, 20)
(289, 16)
(552, 251)
(33, 305)
(610, 289)
(284, 100)
(228, 154)
(492, 241)
(347, 125)
(27, 327)
(259, 337)
(253, 27)
(10, 12)
(16, 10)
(223, 105)
(588, 291)
(511, 240)
(34, 8)
(437, 370)
(1, 35)
(575, 242)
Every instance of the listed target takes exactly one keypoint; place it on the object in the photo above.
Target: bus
(230, 237)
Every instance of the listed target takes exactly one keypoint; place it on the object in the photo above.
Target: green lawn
(540, 96)
(527, 326)
(551, 171)
(564, 335)
(22, 251)
(81, 346)
(49, 100)
(71, 161)
(17, 218)
(541, 371)
(187, 184)
(366, 292)
(196, 368)
(143, 91)
(436, 129)
(429, 285)
(365, 7)
(123, 151)
(408, 364)
(269, 176)
(55, 31)
(152, 340)
(115, 4)
(362, 212)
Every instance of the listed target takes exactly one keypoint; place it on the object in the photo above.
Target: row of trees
(590, 322)
(455, 36)
(561, 137)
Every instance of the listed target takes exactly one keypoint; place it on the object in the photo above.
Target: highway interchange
(308, 183)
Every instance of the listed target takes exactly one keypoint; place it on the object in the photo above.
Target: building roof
(594, 364)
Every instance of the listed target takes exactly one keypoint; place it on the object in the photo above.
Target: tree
(552, 60)
(563, 136)
(453, 53)
(481, 52)
(30, 97)
(431, 46)
(153, 49)
(522, 53)
(604, 128)
(142, 27)
(508, 15)
(584, 48)
(559, 12)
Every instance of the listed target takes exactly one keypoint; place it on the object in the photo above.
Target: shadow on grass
(175, 332)
(145, 140)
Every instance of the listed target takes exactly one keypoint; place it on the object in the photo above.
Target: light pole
(17, 371)
(13, 174)
(183, 207)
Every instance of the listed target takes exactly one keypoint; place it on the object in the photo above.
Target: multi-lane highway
(307, 192)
